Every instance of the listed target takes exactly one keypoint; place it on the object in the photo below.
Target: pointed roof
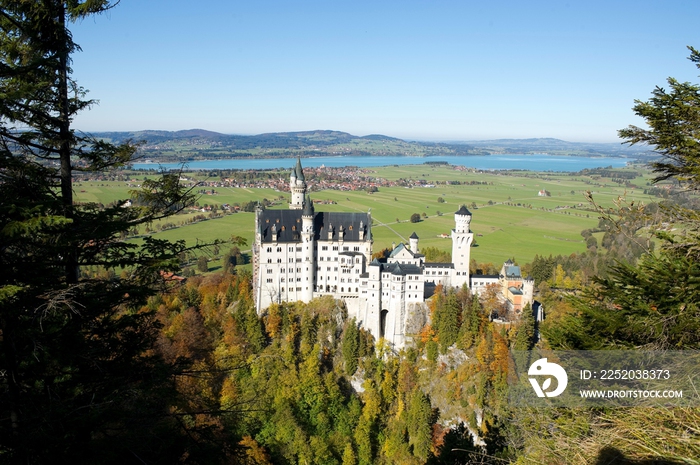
(397, 250)
(308, 207)
(414, 235)
(463, 211)
(298, 171)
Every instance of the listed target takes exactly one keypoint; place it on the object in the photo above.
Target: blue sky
(430, 70)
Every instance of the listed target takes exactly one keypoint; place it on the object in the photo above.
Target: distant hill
(193, 144)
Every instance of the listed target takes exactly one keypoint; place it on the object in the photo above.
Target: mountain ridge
(202, 144)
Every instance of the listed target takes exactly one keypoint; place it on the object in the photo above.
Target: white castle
(300, 254)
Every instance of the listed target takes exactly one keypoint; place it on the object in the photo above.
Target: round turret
(297, 185)
(413, 242)
(462, 219)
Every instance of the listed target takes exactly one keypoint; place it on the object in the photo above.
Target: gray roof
(463, 211)
(297, 171)
(400, 268)
(513, 271)
(308, 209)
(485, 276)
(288, 224)
(397, 250)
(515, 291)
(414, 236)
(439, 265)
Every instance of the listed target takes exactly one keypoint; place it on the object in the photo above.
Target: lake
(532, 162)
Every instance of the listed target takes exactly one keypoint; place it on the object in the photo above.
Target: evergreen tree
(351, 347)
(82, 381)
(525, 335)
(672, 118)
(653, 304)
(447, 321)
(419, 424)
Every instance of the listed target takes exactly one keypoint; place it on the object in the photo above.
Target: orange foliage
(499, 364)
(254, 452)
(428, 333)
(438, 437)
(273, 320)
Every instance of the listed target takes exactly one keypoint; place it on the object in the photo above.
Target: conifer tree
(81, 379)
(351, 347)
(653, 304)
(525, 335)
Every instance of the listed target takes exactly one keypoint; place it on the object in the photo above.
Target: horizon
(406, 139)
(448, 71)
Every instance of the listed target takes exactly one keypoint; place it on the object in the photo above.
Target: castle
(300, 254)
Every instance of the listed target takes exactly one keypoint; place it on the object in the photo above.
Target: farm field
(509, 218)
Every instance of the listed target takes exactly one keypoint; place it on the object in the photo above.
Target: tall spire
(299, 171)
(308, 207)
(297, 185)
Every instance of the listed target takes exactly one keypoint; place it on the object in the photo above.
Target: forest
(109, 355)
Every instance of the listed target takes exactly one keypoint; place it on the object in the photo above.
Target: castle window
(350, 227)
(298, 220)
(277, 220)
(284, 227)
(269, 280)
(269, 249)
(269, 260)
(294, 227)
(279, 260)
(267, 220)
(269, 271)
(279, 249)
(325, 247)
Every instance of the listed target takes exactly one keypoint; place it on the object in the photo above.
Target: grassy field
(510, 219)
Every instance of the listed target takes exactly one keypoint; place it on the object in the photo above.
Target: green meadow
(510, 219)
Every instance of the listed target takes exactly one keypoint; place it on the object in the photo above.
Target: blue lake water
(532, 162)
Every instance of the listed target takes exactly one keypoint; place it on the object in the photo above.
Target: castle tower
(528, 290)
(462, 239)
(307, 243)
(297, 185)
(413, 242)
